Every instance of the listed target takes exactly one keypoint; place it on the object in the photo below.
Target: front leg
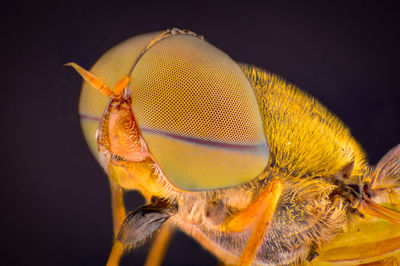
(119, 215)
(268, 200)
(118, 206)
(160, 245)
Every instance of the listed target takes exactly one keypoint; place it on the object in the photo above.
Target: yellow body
(311, 141)
(310, 151)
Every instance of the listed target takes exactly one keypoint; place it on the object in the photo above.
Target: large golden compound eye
(193, 104)
(198, 115)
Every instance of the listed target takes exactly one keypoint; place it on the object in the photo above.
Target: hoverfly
(255, 170)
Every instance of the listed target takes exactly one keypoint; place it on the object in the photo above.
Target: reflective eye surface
(195, 107)
(198, 115)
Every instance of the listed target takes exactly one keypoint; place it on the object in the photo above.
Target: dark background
(54, 195)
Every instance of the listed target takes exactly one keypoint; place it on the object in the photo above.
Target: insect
(255, 170)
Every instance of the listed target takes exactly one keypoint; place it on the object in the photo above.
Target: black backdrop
(55, 198)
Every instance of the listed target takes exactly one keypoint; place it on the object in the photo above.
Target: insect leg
(270, 197)
(118, 214)
(118, 206)
(116, 254)
(160, 245)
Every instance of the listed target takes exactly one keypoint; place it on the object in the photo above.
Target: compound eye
(110, 68)
(198, 115)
